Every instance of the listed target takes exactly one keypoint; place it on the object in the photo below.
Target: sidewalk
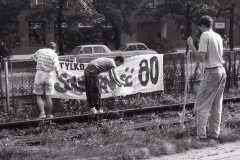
(227, 151)
(21, 57)
(183, 50)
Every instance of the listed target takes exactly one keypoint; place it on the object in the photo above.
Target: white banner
(143, 73)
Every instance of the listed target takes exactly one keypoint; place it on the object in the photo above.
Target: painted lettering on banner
(72, 66)
(143, 73)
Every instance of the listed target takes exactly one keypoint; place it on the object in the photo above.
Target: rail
(109, 115)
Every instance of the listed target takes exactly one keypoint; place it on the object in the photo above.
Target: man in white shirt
(208, 103)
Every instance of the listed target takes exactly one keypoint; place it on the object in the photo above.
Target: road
(228, 151)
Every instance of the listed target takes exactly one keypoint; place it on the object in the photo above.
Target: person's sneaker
(201, 139)
(42, 116)
(213, 140)
(100, 111)
(50, 116)
(93, 110)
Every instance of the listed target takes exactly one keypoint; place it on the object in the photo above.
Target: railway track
(97, 117)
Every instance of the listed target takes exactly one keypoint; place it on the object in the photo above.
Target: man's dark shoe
(93, 110)
(213, 140)
(100, 111)
(201, 139)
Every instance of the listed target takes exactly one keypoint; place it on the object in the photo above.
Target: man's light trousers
(208, 103)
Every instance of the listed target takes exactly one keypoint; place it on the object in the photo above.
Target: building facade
(148, 30)
(32, 35)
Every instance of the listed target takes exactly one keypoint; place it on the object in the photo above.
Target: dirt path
(227, 151)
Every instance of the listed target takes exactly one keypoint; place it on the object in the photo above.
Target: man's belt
(214, 67)
(92, 69)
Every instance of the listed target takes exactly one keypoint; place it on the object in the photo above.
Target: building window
(36, 34)
(10, 33)
(151, 4)
(7, 2)
(36, 3)
(13, 27)
(64, 26)
(3, 2)
(80, 25)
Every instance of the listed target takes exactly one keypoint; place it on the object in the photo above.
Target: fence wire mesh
(23, 103)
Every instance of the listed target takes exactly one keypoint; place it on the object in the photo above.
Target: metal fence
(21, 78)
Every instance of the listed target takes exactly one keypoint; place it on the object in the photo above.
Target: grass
(109, 140)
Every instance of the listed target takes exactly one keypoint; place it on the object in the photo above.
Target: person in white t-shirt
(208, 103)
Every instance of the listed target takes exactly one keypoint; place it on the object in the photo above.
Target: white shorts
(43, 83)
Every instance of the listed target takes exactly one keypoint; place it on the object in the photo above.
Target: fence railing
(21, 79)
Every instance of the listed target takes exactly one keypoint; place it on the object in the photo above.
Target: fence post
(5, 60)
(235, 84)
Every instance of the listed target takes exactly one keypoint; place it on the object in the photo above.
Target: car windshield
(141, 47)
(131, 48)
(123, 47)
(76, 50)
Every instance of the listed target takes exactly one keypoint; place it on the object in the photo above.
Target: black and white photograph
(119, 79)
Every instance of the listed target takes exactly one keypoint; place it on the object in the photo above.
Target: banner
(143, 73)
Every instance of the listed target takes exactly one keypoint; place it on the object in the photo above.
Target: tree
(9, 13)
(116, 13)
(70, 11)
(228, 11)
(188, 11)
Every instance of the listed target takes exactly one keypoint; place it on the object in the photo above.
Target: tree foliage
(93, 13)
(186, 12)
(117, 13)
(71, 12)
(9, 13)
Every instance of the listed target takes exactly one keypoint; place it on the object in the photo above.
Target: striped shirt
(47, 60)
(102, 64)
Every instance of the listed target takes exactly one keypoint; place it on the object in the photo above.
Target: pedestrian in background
(47, 63)
(91, 73)
(208, 103)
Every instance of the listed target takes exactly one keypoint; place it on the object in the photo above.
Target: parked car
(135, 47)
(90, 49)
(86, 53)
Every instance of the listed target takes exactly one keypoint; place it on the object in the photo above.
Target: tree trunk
(59, 26)
(188, 21)
(117, 37)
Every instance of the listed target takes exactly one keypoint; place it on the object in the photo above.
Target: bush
(162, 46)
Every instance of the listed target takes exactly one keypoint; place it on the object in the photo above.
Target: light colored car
(90, 49)
(135, 47)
